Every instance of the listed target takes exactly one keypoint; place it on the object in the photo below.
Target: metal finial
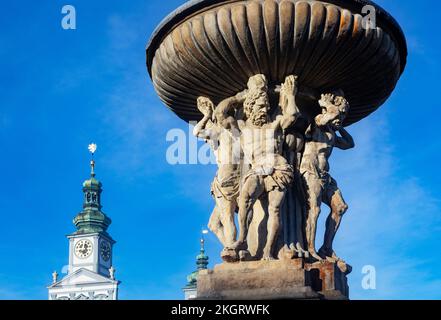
(202, 244)
(92, 148)
(92, 168)
(203, 240)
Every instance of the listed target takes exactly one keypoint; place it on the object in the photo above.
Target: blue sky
(62, 89)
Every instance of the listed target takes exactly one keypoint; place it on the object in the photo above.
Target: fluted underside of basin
(215, 51)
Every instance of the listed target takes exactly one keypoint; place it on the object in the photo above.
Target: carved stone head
(256, 105)
(334, 109)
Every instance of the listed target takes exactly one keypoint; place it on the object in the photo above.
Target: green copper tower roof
(91, 219)
(201, 263)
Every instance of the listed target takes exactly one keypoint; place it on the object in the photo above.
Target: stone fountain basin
(212, 47)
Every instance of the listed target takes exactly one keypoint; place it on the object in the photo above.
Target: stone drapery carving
(272, 173)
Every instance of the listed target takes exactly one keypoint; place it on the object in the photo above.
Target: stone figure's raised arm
(290, 111)
(222, 111)
(344, 142)
(206, 107)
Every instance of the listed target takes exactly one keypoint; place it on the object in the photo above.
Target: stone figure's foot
(344, 267)
(287, 253)
(324, 252)
(314, 255)
(329, 255)
(229, 255)
(301, 252)
(239, 245)
(245, 255)
(297, 252)
(268, 257)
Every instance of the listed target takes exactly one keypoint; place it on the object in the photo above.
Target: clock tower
(91, 274)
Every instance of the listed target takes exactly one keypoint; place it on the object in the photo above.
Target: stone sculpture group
(272, 80)
(273, 172)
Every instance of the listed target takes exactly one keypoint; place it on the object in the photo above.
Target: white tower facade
(90, 275)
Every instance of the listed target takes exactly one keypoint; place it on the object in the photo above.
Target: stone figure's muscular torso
(318, 148)
(262, 145)
(227, 151)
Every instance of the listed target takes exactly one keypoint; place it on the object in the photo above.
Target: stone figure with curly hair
(320, 187)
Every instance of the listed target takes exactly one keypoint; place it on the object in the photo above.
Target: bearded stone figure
(266, 167)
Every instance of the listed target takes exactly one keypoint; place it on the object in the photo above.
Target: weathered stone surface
(256, 280)
(329, 279)
(278, 279)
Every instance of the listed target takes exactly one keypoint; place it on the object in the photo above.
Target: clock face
(83, 249)
(105, 250)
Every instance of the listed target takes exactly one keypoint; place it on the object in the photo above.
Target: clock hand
(85, 247)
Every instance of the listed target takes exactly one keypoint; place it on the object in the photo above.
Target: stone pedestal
(329, 279)
(278, 279)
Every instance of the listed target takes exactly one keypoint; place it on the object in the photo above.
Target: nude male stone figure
(225, 186)
(261, 138)
(320, 187)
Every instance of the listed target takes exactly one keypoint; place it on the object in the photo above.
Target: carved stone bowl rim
(384, 19)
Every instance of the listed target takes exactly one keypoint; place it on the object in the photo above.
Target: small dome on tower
(92, 183)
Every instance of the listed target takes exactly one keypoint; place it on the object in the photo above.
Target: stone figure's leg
(287, 211)
(251, 191)
(300, 218)
(227, 220)
(300, 235)
(335, 201)
(228, 254)
(314, 192)
(290, 229)
(290, 141)
(215, 225)
(275, 199)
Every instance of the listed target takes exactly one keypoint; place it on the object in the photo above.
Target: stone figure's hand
(288, 88)
(205, 106)
(290, 85)
(326, 100)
